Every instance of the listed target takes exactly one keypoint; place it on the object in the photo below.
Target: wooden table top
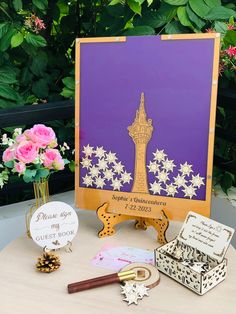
(23, 290)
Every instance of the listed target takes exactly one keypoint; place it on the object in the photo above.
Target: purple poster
(144, 116)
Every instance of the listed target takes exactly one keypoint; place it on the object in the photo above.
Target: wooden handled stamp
(100, 281)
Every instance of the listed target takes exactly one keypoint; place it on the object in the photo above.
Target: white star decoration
(170, 180)
(162, 176)
(189, 191)
(88, 150)
(134, 292)
(155, 188)
(132, 297)
(94, 171)
(186, 169)
(116, 184)
(108, 174)
(126, 177)
(168, 165)
(87, 180)
(111, 157)
(102, 164)
(179, 181)
(99, 182)
(86, 163)
(127, 288)
(141, 290)
(171, 190)
(197, 180)
(99, 152)
(101, 169)
(159, 155)
(153, 167)
(118, 167)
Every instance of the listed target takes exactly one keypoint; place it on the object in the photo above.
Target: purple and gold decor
(145, 118)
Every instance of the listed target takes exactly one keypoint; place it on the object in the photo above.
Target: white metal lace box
(196, 257)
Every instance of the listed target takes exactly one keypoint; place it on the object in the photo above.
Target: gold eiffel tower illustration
(141, 132)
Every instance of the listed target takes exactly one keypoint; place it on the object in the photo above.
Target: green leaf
(69, 82)
(66, 161)
(29, 49)
(114, 2)
(139, 30)
(29, 175)
(31, 99)
(150, 18)
(3, 29)
(72, 166)
(183, 17)
(68, 93)
(134, 6)
(176, 2)
(199, 7)
(231, 20)
(149, 2)
(220, 13)
(9, 164)
(157, 18)
(230, 38)
(39, 63)
(41, 4)
(25, 76)
(17, 4)
(115, 10)
(40, 88)
(213, 3)
(194, 18)
(6, 104)
(17, 40)
(7, 92)
(220, 27)
(176, 28)
(35, 40)
(41, 173)
(7, 75)
(5, 41)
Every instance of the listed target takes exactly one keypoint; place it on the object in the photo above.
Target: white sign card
(206, 235)
(54, 225)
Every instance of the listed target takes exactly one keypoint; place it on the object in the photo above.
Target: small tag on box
(206, 235)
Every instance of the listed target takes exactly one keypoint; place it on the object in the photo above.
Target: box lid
(206, 235)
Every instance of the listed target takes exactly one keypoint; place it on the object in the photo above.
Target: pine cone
(48, 263)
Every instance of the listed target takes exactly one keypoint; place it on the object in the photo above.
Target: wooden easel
(109, 221)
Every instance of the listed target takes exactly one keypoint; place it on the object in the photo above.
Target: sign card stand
(109, 221)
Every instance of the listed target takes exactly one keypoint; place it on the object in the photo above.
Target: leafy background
(37, 64)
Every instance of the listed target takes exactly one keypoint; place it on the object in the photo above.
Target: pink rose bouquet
(33, 154)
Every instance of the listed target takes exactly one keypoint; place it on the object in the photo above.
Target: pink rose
(41, 135)
(20, 138)
(26, 152)
(8, 155)
(20, 167)
(52, 159)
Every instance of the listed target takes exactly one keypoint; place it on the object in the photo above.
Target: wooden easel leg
(140, 224)
(110, 220)
(161, 225)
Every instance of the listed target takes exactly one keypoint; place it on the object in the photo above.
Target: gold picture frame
(176, 208)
